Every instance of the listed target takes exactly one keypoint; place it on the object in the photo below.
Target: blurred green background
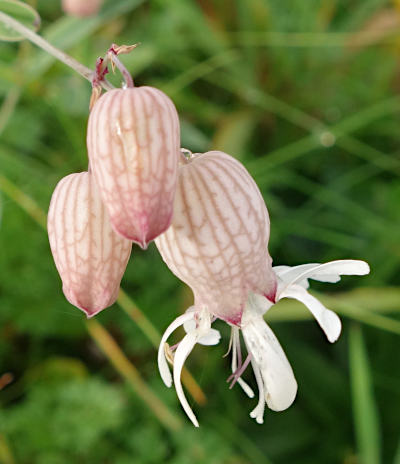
(305, 94)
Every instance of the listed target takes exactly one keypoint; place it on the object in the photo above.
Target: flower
(275, 379)
(218, 241)
(80, 8)
(90, 257)
(133, 142)
(218, 245)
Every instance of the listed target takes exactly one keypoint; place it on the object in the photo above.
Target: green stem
(8, 106)
(6, 456)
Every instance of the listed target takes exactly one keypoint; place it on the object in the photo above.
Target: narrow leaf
(365, 414)
(21, 12)
(397, 455)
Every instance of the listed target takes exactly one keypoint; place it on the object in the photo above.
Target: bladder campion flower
(133, 144)
(218, 245)
(90, 257)
(81, 8)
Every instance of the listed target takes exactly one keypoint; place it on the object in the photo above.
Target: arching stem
(125, 73)
(47, 47)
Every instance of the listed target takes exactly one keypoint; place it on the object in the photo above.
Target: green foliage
(306, 96)
(64, 422)
(21, 12)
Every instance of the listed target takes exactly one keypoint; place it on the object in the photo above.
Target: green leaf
(365, 413)
(21, 12)
(397, 455)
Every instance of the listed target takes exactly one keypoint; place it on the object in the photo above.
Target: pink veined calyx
(133, 142)
(218, 245)
(80, 8)
(127, 196)
(90, 257)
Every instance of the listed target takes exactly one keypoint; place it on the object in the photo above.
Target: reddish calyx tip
(101, 69)
(236, 320)
(89, 312)
(142, 240)
(142, 243)
(89, 309)
(271, 296)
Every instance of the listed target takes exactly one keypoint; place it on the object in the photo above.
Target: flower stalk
(39, 41)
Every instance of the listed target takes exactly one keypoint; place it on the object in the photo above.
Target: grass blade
(110, 348)
(365, 413)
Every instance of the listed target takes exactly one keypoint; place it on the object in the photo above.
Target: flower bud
(90, 257)
(81, 8)
(134, 148)
(218, 240)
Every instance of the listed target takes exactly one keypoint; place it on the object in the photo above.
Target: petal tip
(332, 326)
(284, 399)
(364, 268)
(167, 379)
(163, 368)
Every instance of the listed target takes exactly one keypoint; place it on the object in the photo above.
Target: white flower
(275, 380)
(218, 245)
(274, 376)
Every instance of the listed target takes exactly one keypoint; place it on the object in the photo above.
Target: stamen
(239, 351)
(234, 349)
(245, 387)
(169, 354)
(236, 375)
(174, 347)
(230, 344)
(235, 340)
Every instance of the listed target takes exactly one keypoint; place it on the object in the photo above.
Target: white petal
(259, 304)
(189, 325)
(327, 272)
(182, 352)
(281, 270)
(327, 319)
(212, 337)
(162, 362)
(279, 382)
(258, 412)
(288, 274)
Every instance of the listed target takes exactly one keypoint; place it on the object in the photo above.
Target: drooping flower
(218, 245)
(90, 257)
(133, 142)
(81, 8)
